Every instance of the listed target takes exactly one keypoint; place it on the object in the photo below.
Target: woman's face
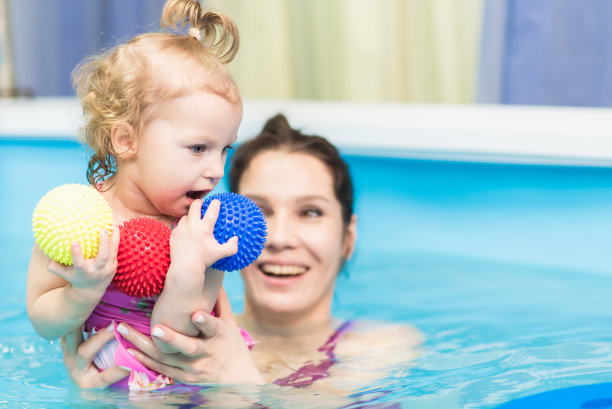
(293, 279)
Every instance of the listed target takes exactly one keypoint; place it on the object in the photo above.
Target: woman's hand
(218, 355)
(79, 355)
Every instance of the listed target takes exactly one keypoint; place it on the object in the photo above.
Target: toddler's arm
(193, 249)
(60, 298)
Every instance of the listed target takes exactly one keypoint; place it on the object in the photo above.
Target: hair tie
(195, 33)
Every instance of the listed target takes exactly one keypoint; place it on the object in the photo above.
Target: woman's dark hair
(277, 134)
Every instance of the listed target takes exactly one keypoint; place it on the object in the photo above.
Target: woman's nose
(281, 232)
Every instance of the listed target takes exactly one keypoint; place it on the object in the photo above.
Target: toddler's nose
(214, 170)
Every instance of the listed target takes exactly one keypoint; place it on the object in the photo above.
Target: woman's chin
(282, 305)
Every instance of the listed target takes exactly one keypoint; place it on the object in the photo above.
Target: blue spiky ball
(238, 216)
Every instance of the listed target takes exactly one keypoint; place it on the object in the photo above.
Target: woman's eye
(265, 211)
(198, 148)
(312, 213)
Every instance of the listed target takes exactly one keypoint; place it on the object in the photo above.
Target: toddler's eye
(198, 148)
(228, 147)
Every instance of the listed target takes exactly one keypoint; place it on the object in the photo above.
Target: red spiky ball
(143, 257)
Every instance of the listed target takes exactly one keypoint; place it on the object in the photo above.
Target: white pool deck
(496, 133)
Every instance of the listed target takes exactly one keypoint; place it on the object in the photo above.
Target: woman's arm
(219, 354)
(59, 298)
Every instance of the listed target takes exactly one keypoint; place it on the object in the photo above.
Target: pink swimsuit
(118, 307)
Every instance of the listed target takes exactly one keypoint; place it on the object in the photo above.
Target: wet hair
(125, 83)
(277, 135)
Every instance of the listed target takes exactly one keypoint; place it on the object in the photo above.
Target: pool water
(505, 269)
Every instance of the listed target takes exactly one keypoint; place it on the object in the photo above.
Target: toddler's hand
(193, 246)
(91, 276)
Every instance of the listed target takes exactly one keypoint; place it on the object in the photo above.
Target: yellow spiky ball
(70, 213)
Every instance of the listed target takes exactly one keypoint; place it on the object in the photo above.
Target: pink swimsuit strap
(308, 374)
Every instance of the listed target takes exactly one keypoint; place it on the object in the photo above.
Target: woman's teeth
(282, 270)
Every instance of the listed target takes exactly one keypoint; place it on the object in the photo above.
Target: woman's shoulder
(368, 325)
(374, 328)
(369, 337)
(369, 351)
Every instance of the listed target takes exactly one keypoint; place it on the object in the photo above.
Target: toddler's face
(182, 150)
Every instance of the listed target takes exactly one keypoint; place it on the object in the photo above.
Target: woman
(305, 192)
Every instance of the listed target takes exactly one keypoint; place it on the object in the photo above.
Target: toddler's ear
(123, 138)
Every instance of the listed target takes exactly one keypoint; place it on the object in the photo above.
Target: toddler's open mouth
(197, 194)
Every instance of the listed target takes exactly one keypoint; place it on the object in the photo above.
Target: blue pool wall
(553, 216)
(522, 185)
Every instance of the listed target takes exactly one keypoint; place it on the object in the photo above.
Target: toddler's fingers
(104, 248)
(77, 254)
(60, 270)
(195, 210)
(180, 223)
(114, 242)
(212, 213)
(229, 248)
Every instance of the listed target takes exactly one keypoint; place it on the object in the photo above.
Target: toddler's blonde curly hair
(123, 84)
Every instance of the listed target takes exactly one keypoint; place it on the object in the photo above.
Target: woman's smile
(282, 270)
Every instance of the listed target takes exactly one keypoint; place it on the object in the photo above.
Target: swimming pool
(504, 267)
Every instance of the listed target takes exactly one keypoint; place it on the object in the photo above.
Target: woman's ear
(350, 238)
(123, 138)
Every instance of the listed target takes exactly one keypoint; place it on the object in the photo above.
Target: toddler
(161, 113)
